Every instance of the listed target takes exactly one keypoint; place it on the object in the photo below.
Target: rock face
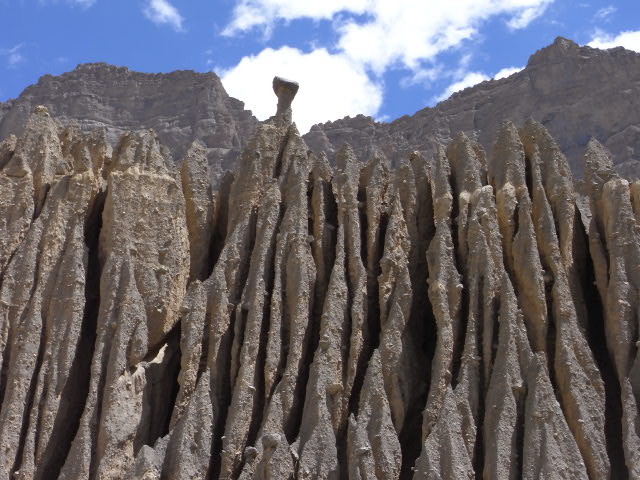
(181, 107)
(449, 318)
(571, 90)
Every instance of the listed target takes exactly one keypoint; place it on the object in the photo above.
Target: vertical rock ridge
(246, 373)
(7, 147)
(504, 404)
(422, 324)
(226, 283)
(300, 322)
(397, 353)
(578, 378)
(346, 193)
(374, 182)
(557, 456)
(42, 297)
(373, 446)
(404, 220)
(337, 369)
(444, 292)
(507, 174)
(16, 201)
(40, 148)
(318, 455)
(466, 171)
(146, 261)
(614, 242)
(194, 174)
(292, 306)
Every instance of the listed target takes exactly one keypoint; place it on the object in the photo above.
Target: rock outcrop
(570, 89)
(181, 107)
(453, 317)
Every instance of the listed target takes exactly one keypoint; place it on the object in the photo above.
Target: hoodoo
(457, 316)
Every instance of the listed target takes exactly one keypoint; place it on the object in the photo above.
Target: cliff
(573, 91)
(180, 107)
(453, 317)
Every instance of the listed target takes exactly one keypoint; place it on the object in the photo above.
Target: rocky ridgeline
(575, 92)
(450, 318)
(180, 106)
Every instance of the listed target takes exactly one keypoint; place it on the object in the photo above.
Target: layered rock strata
(449, 318)
(571, 89)
(181, 107)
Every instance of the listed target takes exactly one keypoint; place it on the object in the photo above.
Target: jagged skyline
(350, 56)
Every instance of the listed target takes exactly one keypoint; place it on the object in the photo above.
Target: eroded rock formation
(180, 106)
(449, 318)
(570, 89)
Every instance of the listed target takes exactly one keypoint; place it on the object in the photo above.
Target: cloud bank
(331, 86)
(629, 40)
(372, 37)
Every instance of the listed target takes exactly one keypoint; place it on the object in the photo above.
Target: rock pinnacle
(286, 91)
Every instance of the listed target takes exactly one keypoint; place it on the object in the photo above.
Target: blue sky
(384, 58)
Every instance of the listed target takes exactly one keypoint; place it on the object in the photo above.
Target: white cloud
(422, 76)
(331, 85)
(527, 15)
(407, 32)
(605, 13)
(13, 55)
(372, 36)
(264, 13)
(84, 3)
(506, 72)
(469, 80)
(629, 40)
(162, 12)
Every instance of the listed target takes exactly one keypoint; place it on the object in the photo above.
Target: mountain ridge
(551, 73)
(181, 107)
(568, 88)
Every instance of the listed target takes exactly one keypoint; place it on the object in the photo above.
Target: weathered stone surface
(578, 379)
(373, 445)
(614, 242)
(198, 196)
(571, 89)
(436, 320)
(16, 200)
(445, 291)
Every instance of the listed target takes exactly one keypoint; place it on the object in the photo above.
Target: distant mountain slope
(180, 106)
(575, 92)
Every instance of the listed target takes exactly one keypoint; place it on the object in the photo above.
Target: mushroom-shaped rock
(286, 91)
